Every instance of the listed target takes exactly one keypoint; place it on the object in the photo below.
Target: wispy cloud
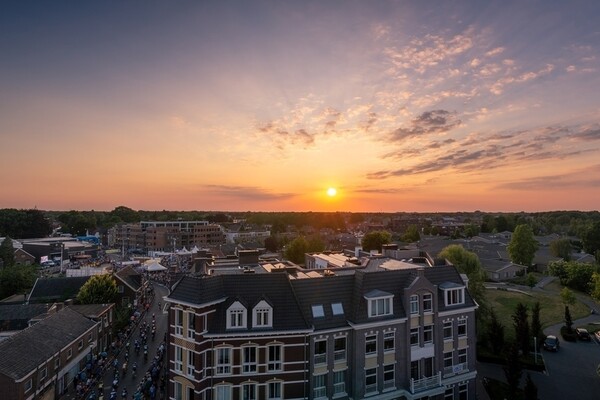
(587, 177)
(245, 192)
(429, 122)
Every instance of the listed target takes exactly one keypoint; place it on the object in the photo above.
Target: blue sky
(424, 106)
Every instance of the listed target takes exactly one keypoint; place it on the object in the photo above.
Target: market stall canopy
(155, 267)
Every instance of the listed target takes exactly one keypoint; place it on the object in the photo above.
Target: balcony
(419, 385)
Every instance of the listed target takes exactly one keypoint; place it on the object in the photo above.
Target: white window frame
(275, 364)
(371, 341)
(270, 392)
(178, 320)
(448, 326)
(320, 358)
(463, 388)
(178, 359)
(318, 311)
(69, 353)
(223, 368)
(380, 306)
(339, 354)
(28, 385)
(178, 391)
(449, 393)
(461, 326)
(387, 338)
(337, 309)
(191, 324)
(262, 315)
(427, 302)
(389, 383)
(236, 316)
(57, 363)
(223, 392)
(414, 304)
(454, 296)
(190, 363)
(249, 359)
(415, 333)
(320, 391)
(428, 328)
(251, 394)
(462, 356)
(370, 388)
(339, 382)
(448, 359)
(43, 373)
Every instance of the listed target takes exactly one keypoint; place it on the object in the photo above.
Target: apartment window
(320, 352)
(80, 345)
(339, 348)
(320, 386)
(90, 338)
(190, 393)
(249, 391)
(448, 359)
(191, 331)
(462, 356)
(371, 344)
(462, 327)
(380, 306)
(415, 370)
(236, 316)
(449, 394)
(274, 391)
(223, 392)
(337, 309)
(43, 373)
(223, 360)
(178, 322)
(190, 363)
(249, 359)
(178, 392)
(28, 385)
(69, 353)
(318, 311)
(388, 376)
(371, 380)
(178, 359)
(463, 393)
(274, 358)
(339, 382)
(455, 296)
(414, 304)
(448, 330)
(262, 316)
(428, 334)
(428, 366)
(427, 302)
(414, 336)
(388, 341)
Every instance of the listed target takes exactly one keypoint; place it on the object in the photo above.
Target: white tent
(155, 267)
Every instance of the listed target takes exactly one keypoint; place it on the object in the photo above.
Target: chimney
(247, 257)
(357, 251)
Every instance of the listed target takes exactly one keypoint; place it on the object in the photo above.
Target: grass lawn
(552, 308)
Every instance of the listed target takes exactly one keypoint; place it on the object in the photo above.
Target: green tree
(536, 324)
(296, 249)
(375, 240)
(16, 279)
(272, 244)
(595, 286)
(521, 325)
(568, 320)
(7, 252)
(531, 280)
(412, 234)
(513, 371)
(561, 248)
(567, 296)
(99, 289)
(522, 246)
(530, 391)
(591, 238)
(559, 269)
(24, 224)
(468, 263)
(495, 333)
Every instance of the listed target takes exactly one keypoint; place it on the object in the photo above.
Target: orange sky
(265, 105)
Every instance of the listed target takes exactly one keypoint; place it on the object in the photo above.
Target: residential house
(48, 290)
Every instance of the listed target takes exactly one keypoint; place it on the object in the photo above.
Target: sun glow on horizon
(331, 192)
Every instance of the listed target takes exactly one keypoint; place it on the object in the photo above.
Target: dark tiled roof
(46, 289)
(90, 310)
(23, 352)
(131, 277)
(440, 275)
(15, 317)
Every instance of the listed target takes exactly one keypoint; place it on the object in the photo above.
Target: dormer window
(262, 315)
(453, 293)
(379, 303)
(236, 316)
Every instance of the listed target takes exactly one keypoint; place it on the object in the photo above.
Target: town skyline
(265, 106)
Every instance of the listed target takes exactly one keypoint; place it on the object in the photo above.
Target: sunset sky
(252, 105)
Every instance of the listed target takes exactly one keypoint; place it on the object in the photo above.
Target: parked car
(597, 334)
(583, 334)
(551, 343)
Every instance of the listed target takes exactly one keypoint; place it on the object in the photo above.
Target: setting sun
(331, 192)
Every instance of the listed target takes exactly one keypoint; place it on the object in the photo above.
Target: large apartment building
(166, 235)
(393, 329)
